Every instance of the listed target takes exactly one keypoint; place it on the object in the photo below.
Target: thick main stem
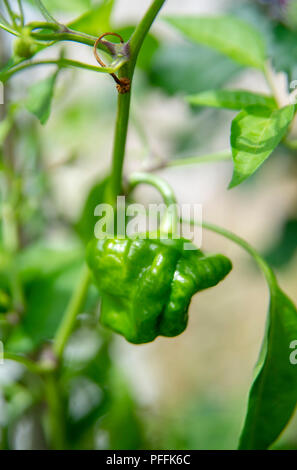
(143, 28)
(121, 130)
(124, 101)
(119, 147)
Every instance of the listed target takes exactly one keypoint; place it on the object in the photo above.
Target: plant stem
(143, 28)
(123, 107)
(55, 413)
(74, 308)
(3, 20)
(145, 178)
(10, 12)
(221, 156)
(265, 268)
(20, 5)
(6, 27)
(32, 366)
(119, 146)
(210, 158)
(10, 199)
(46, 14)
(271, 81)
(10, 229)
(170, 219)
(65, 35)
(290, 144)
(60, 63)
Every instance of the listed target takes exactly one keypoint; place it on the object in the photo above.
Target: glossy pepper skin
(146, 285)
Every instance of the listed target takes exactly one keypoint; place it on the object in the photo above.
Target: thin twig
(34, 367)
(60, 63)
(10, 12)
(21, 9)
(221, 156)
(45, 13)
(3, 19)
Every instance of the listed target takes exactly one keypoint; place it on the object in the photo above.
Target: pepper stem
(169, 223)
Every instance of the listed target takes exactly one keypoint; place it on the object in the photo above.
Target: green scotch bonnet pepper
(146, 285)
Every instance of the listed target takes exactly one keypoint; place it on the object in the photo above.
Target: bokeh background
(189, 392)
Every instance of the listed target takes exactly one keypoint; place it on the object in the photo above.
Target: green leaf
(46, 299)
(87, 220)
(96, 20)
(39, 261)
(227, 34)
(18, 399)
(190, 68)
(273, 395)
(73, 6)
(123, 414)
(255, 133)
(40, 98)
(231, 99)
(283, 50)
(48, 277)
(6, 67)
(280, 40)
(5, 128)
(291, 14)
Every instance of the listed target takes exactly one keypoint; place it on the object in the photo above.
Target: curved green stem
(161, 185)
(170, 221)
(265, 268)
(75, 306)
